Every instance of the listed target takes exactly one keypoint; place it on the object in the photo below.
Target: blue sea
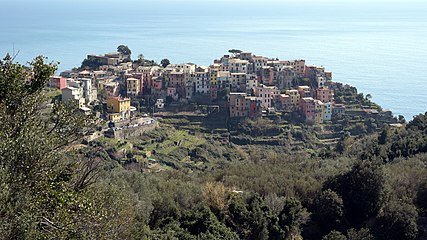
(380, 48)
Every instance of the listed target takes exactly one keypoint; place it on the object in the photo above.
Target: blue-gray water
(379, 48)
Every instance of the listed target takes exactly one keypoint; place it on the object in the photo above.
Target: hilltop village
(240, 85)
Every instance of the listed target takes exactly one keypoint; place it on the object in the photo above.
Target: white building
(321, 81)
(73, 94)
(238, 66)
(223, 79)
(202, 81)
(251, 83)
(327, 116)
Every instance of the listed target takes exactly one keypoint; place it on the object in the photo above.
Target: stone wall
(132, 128)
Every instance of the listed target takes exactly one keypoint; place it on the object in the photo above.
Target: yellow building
(132, 85)
(294, 99)
(319, 111)
(118, 108)
(118, 104)
(213, 73)
(115, 117)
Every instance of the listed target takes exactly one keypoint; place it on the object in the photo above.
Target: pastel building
(297, 65)
(90, 94)
(319, 111)
(321, 82)
(284, 78)
(304, 91)
(202, 82)
(238, 66)
(241, 105)
(259, 62)
(284, 102)
(118, 108)
(238, 105)
(57, 82)
(74, 94)
(177, 80)
(223, 79)
(308, 109)
(238, 82)
(294, 97)
(251, 83)
(266, 75)
(328, 111)
(253, 105)
(324, 94)
(267, 95)
(132, 86)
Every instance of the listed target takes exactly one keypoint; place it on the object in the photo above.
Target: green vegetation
(45, 193)
(92, 64)
(124, 50)
(200, 176)
(165, 62)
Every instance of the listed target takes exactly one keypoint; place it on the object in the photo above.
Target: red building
(57, 82)
(254, 109)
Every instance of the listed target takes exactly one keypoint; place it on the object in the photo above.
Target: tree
(123, 49)
(165, 62)
(44, 191)
(398, 221)
(359, 97)
(293, 217)
(235, 51)
(91, 64)
(362, 189)
(401, 119)
(329, 211)
(334, 235)
(360, 234)
(421, 198)
(383, 137)
(216, 196)
(419, 123)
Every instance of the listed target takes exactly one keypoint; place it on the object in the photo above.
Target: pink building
(237, 105)
(308, 109)
(242, 105)
(58, 82)
(324, 94)
(176, 79)
(285, 102)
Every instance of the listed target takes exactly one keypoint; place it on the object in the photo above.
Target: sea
(378, 47)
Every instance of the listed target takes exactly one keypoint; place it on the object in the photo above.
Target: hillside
(198, 176)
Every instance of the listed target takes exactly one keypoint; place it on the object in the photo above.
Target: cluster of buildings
(253, 84)
(88, 88)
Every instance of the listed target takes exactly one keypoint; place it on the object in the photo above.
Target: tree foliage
(124, 50)
(165, 62)
(362, 189)
(42, 195)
